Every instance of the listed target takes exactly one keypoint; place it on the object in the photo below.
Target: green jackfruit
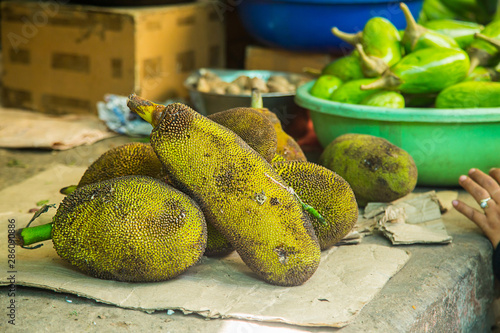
(131, 228)
(134, 158)
(328, 193)
(286, 145)
(238, 190)
(253, 127)
(377, 170)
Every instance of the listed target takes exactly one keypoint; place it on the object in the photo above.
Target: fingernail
(462, 178)
(472, 170)
(492, 169)
(454, 203)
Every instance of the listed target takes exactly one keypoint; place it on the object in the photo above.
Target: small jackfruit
(238, 190)
(131, 228)
(134, 158)
(377, 170)
(328, 193)
(253, 127)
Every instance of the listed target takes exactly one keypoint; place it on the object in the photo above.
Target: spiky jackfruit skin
(286, 145)
(326, 192)
(240, 194)
(377, 170)
(253, 127)
(131, 228)
(134, 158)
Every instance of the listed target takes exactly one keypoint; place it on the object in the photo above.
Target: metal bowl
(293, 117)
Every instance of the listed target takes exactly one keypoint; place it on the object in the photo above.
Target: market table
(440, 288)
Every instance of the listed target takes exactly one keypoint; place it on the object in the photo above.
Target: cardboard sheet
(346, 280)
(414, 219)
(26, 129)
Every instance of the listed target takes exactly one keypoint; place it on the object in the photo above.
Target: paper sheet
(26, 129)
(347, 279)
(415, 219)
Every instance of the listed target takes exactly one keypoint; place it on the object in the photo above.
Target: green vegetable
(379, 38)
(482, 52)
(472, 94)
(435, 10)
(346, 68)
(480, 73)
(351, 93)
(419, 100)
(417, 37)
(388, 99)
(325, 85)
(370, 65)
(425, 71)
(462, 31)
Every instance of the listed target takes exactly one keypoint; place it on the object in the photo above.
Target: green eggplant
(370, 65)
(480, 73)
(427, 70)
(465, 8)
(471, 94)
(345, 68)
(435, 10)
(325, 85)
(379, 38)
(387, 99)
(462, 31)
(418, 37)
(351, 93)
(482, 52)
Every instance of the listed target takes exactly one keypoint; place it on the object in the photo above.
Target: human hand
(482, 186)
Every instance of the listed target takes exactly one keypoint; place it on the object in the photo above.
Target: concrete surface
(443, 288)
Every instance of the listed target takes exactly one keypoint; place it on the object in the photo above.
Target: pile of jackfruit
(208, 186)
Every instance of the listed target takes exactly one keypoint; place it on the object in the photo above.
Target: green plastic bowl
(445, 143)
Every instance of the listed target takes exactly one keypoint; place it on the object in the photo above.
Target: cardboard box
(281, 60)
(61, 58)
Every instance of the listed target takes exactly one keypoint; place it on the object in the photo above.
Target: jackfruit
(328, 193)
(377, 170)
(237, 189)
(131, 228)
(286, 145)
(134, 158)
(253, 127)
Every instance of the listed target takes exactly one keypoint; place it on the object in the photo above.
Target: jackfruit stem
(257, 102)
(68, 189)
(31, 235)
(147, 110)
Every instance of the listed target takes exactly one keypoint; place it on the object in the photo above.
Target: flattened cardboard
(65, 58)
(347, 279)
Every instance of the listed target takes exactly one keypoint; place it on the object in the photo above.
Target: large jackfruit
(239, 192)
(134, 158)
(131, 228)
(329, 194)
(253, 127)
(377, 170)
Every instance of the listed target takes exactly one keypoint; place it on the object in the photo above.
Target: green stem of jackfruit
(32, 235)
(257, 102)
(68, 189)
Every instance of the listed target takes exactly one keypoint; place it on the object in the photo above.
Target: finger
(485, 181)
(477, 192)
(495, 174)
(475, 216)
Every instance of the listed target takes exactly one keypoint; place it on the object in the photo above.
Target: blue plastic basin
(300, 25)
